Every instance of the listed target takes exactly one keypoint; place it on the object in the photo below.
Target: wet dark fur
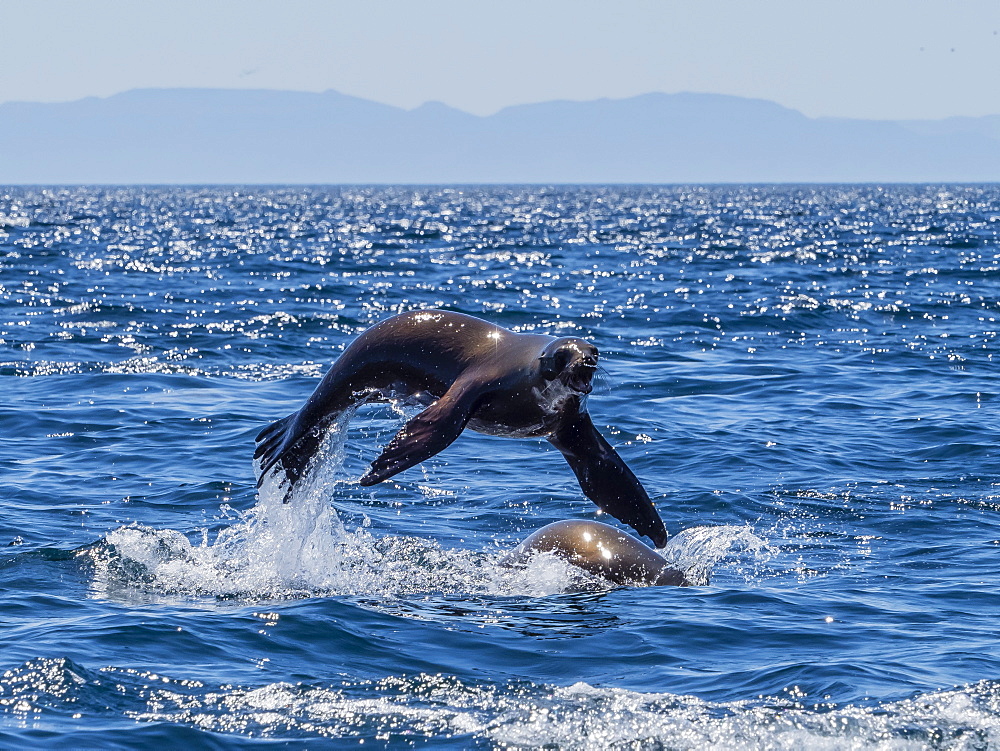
(466, 373)
(600, 549)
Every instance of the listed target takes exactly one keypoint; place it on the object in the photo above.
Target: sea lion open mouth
(572, 362)
(580, 376)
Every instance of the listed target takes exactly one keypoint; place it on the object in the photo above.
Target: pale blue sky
(876, 59)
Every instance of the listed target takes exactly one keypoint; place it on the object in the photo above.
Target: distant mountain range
(194, 136)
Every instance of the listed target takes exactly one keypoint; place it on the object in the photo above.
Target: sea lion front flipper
(430, 432)
(605, 478)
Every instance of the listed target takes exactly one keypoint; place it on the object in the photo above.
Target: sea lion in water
(599, 549)
(467, 373)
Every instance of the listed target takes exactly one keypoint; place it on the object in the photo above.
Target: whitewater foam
(516, 715)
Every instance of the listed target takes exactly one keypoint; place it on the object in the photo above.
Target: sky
(879, 59)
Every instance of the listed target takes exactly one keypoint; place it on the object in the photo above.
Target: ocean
(803, 377)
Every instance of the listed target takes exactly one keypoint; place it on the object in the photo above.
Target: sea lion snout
(572, 361)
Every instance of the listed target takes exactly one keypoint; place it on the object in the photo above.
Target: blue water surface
(803, 377)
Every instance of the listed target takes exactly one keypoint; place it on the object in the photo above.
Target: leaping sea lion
(466, 373)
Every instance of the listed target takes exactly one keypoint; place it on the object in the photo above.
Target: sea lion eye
(552, 365)
(548, 367)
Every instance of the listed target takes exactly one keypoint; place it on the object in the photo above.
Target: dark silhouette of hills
(258, 136)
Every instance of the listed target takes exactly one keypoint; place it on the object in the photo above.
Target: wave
(451, 712)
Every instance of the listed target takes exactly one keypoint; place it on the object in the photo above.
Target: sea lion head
(571, 361)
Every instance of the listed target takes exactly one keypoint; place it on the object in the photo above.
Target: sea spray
(300, 553)
(292, 543)
(698, 550)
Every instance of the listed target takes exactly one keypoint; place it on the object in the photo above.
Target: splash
(279, 550)
(698, 550)
(283, 552)
(301, 548)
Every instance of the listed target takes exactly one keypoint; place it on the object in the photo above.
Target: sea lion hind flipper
(277, 447)
(605, 478)
(272, 428)
(425, 435)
